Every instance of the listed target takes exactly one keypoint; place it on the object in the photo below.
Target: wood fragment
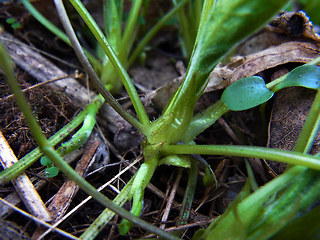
(68, 190)
(171, 198)
(15, 200)
(23, 185)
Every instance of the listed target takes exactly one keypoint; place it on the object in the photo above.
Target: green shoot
(13, 22)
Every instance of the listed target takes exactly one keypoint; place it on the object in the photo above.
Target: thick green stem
(295, 158)
(141, 180)
(82, 135)
(236, 18)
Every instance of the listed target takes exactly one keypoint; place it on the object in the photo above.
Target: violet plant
(223, 24)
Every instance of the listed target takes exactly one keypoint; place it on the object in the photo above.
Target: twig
(15, 200)
(38, 220)
(170, 199)
(22, 184)
(62, 200)
(75, 75)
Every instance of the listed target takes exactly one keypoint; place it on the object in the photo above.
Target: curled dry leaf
(296, 24)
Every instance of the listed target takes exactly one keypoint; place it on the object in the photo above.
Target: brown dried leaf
(290, 110)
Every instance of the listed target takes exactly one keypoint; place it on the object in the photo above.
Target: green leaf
(176, 160)
(246, 93)
(113, 11)
(306, 227)
(45, 161)
(13, 22)
(10, 20)
(51, 172)
(307, 76)
(312, 7)
(16, 25)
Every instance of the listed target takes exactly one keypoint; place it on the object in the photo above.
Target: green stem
(7, 67)
(81, 136)
(295, 158)
(184, 26)
(188, 196)
(153, 31)
(126, 81)
(275, 82)
(141, 180)
(113, 13)
(128, 32)
(93, 76)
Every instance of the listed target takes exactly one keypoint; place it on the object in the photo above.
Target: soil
(53, 109)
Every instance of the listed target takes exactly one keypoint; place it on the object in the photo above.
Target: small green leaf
(45, 161)
(16, 25)
(10, 20)
(307, 76)
(246, 93)
(51, 172)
